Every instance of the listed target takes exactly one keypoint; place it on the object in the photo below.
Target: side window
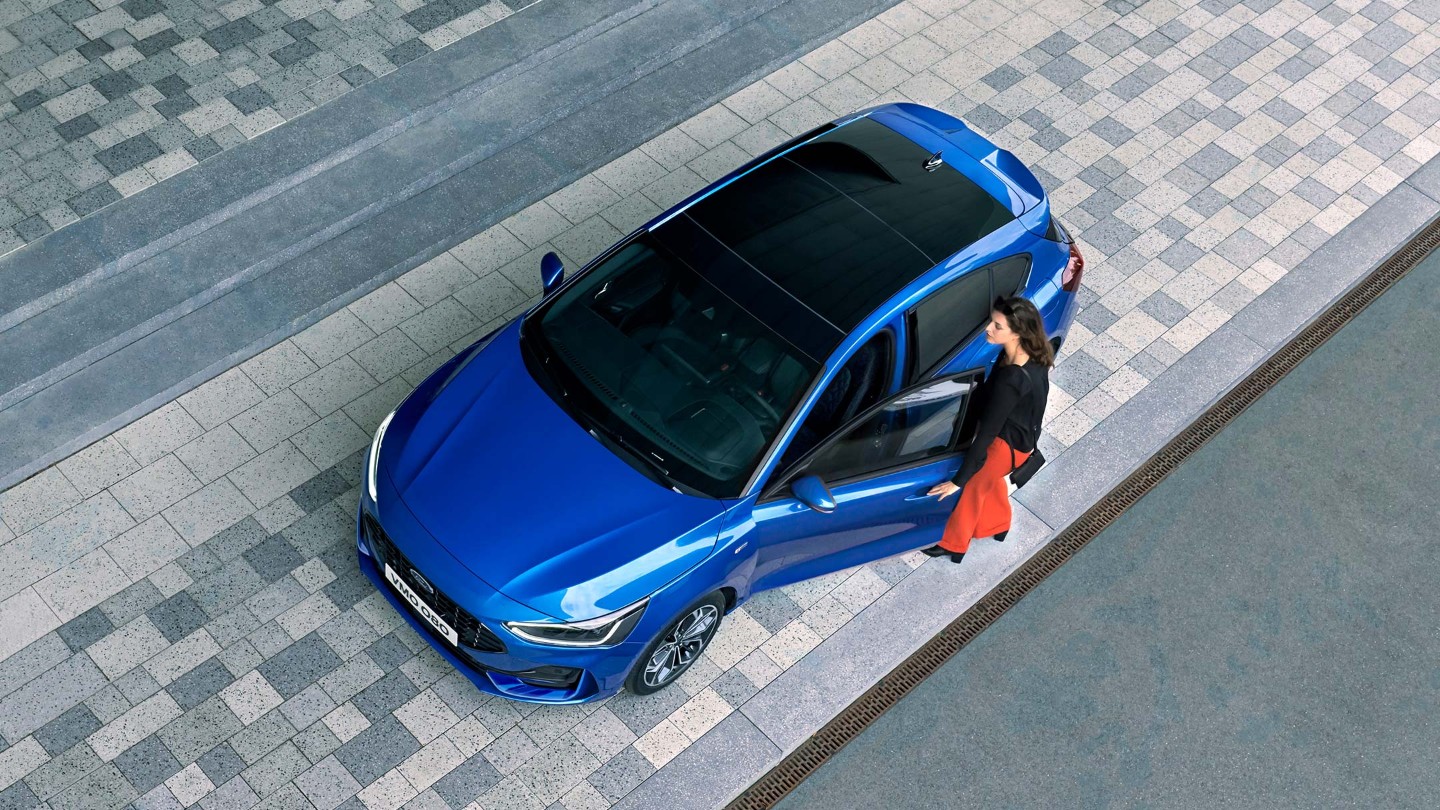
(914, 426)
(1010, 275)
(859, 384)
(947, 317)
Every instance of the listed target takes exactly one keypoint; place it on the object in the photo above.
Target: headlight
(373, 467)
(601, 631)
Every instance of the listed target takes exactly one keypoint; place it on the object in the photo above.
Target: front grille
(471, 631)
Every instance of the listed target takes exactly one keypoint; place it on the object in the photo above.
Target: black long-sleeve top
(1011, 410)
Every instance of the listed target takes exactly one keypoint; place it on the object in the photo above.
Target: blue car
(757, 387)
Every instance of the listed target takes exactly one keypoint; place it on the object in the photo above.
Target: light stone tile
(150, 438)
(216, 507)
(37, 499)
(24, 618)
(330, 440)
(82, 584)
(279, 366)
(190, 785)
(738, 636)
(272, 474)
(280, 514)
(17, 761)
(489, 250)
(139, 722)
(98, 466)
(662, 743)
(700, 714)
(215, 453)
(333, 337)
(388, 792)
(426, 766)
(221, 398)
(274, 420)
(63, 539)
(182, 656)
(793, 641)
(426, 716)
(307, 616)
(126, 647)
(385, 308)
(859, 590)
(346, 721)
(337, 384)
(251, 697)
(432, 281)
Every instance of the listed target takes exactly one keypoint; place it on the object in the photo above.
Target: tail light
(1070, 279)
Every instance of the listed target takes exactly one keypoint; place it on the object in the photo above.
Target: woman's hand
(944, 489)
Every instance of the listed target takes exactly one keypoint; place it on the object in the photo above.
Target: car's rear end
(1057, 261)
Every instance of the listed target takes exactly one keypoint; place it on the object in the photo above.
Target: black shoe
(1000, 538)
(934, 551)
(957, 556)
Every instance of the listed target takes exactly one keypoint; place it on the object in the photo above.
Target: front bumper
(522, 671)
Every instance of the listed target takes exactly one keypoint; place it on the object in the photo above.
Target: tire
(651, 672)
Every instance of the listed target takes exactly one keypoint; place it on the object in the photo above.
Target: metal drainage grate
(805, 760)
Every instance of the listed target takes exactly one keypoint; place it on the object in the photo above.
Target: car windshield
(671, 368)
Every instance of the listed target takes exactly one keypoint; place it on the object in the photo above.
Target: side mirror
(552, 272)
(813, 493)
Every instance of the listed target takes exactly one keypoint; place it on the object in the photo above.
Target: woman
(1008, 428)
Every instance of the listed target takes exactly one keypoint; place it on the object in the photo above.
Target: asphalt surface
(1260, 630)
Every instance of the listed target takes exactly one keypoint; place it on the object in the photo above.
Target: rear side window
(1009, 275)
(947, 317)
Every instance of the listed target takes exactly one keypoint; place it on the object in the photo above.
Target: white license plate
(425, 611)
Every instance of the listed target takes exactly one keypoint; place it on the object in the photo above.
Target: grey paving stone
(319, 490)
(273, 558)
(232, 795)
(388, 652)
(642, 713)
(222, 590)
(192, 688)
(50, 695)
(147, 764)
(263, 736)
(327, 784)
(622, 774)
(772, 609)
(316, 742)
(221, 763)
(85, 629)
(39, 656)
(273, 771)
(62, 771)
(62, 733)
(299, 665)
(130, 603)
(377, 749)
(1079, 374)
(199, 729)
(385, 695)
(18, 797)
(102, 789)
(734, 687)
(178, 616)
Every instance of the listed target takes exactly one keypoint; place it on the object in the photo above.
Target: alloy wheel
(682, 645)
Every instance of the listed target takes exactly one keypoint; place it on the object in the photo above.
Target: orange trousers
(984, 507)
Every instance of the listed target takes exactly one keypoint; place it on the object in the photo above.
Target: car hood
(529, 501)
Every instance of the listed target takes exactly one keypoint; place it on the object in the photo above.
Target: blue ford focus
(757, 387)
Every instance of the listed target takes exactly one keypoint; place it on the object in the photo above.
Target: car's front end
(526, 606)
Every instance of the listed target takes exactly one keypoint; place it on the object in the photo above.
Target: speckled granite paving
(100, 99)
(182, 619)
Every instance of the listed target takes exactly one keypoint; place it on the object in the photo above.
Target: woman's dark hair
(1025, 320)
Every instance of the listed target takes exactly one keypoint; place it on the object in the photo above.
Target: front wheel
(677, 646)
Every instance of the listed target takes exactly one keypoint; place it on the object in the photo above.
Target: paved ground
(1258, 631)
(182, 621)
(101, 99)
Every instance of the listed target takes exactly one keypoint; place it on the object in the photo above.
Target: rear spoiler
(1014, 174)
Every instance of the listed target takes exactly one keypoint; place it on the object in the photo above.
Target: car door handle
(922, 494)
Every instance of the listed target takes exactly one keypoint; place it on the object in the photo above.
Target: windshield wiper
(650, 460)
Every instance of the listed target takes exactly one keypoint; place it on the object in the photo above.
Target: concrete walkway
(1258, 631)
